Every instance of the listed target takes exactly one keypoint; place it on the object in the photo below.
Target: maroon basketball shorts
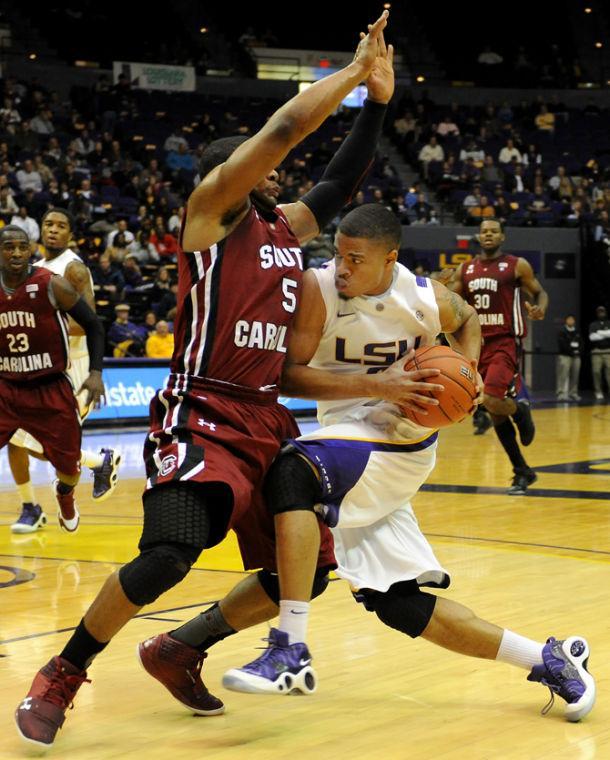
(47, 410)
(218, 433)
(499, 365)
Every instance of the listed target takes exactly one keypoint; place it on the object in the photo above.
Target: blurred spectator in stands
(574, 215)
(27, 177)
(121, 226)
(165, 243)
(508, 152)
(175, 221)
(430, 152)
(10, 118)
(318, 251)
(538, 206)
(150, 322)
(569, 345)
(175, 140)
(449, 179)
(474, 151)
(27, 223)
(502, 209)
(473, 198)
(599, 336)
(180, 159)
(545, 120)
(490, 172)
(515, 182)
(166, 306)
(46, 175)
(470, 172)
(447, 127)
(532, 157)
(406, 128)
(421, 208)
(356, 201)
(125, 337)
(108, 281)
(505, 113)
(132, 273)
(84, 144)
(25, 138)
(42, 123)
(561, 185)
(160, 344)
(119, 248)
(483, 210)
(143, 250)
(8, 207)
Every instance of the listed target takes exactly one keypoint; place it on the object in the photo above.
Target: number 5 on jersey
(289, 288)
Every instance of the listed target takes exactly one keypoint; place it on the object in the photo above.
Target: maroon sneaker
(67, 512)
(42, 713)
(178, 667)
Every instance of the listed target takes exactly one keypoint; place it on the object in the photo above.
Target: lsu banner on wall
(153, 76)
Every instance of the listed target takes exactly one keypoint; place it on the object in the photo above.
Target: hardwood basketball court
(538, 565)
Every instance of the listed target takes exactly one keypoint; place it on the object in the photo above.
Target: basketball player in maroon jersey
(492, 283)
(35, 394)
(216, 426)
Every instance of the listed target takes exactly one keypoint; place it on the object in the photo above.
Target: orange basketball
(459, 380)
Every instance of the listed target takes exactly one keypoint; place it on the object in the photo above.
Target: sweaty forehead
(359, 246)
(14, 237)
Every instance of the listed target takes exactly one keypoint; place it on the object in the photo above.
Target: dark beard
(263, 202)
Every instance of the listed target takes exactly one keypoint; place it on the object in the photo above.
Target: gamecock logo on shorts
(168, 464)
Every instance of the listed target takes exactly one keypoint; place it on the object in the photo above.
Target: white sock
(26, 493)
(293, 620)
(90, 459)
(517, 650)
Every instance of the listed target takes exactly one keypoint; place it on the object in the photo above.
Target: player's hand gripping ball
(458, 377)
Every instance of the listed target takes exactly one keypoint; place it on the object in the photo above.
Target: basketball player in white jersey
(360, 471)
(56, 231)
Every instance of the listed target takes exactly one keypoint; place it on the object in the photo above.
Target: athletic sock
(91, 460)
(26, 492)
(82, 648)
(293, 620)
(508, 438)
(203, 631)
(517, 650)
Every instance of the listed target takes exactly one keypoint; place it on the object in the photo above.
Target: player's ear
(392, 256)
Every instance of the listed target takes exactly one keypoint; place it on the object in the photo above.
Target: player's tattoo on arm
(457, 306)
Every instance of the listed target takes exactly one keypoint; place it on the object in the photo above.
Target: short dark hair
(12, 228)
(218, 152)
(372, 221)
(493, 219)
(62, 211)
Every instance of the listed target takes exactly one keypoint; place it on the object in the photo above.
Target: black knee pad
(271, 584)
(291, 484)
(176, 513)
(402, 607)
(155, 571)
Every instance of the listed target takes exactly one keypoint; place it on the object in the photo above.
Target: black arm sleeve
(82, 313)
(348, 167)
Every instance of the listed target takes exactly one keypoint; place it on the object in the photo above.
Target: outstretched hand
(368, 47)
(380, 81)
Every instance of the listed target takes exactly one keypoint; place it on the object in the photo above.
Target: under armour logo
(26, 704)
(202, 423)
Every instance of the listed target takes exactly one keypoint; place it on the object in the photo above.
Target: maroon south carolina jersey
(33, 333)
(492, 287)
(236, 303)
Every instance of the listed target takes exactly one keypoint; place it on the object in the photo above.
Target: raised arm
(223, 194)
(352, 161)
(529, 283)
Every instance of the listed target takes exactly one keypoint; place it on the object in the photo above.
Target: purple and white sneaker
(31, 519)
(283, 668)
(564, 671)
(105, 476)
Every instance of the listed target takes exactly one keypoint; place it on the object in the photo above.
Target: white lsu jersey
(372, 333)
(58, 265)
